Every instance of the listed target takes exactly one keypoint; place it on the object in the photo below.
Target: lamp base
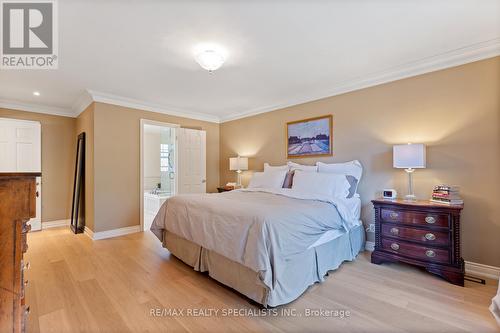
(410, 197)
(239, 178)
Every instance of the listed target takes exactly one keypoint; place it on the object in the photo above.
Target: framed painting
(309, 137)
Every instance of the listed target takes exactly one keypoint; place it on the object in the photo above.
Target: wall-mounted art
(309, 137)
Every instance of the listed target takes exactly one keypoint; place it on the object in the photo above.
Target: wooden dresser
(17, 206)
(420, 233)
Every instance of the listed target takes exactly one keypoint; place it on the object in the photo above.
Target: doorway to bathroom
(173, 161)
(159, 179)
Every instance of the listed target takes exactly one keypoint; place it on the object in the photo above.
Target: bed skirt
(295, 280)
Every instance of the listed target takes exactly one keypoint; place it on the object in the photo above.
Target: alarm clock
(390, 194)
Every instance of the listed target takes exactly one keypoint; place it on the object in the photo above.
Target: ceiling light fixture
(210, 60)
(36, 93)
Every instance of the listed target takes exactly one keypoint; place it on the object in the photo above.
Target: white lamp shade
(408, 156)
(238, 163)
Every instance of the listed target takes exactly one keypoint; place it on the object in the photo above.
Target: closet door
(20, 151)
(192, 161)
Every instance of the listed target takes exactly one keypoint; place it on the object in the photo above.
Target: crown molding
(102, 97)
(81, 103)
(457, 57)
(37, 108)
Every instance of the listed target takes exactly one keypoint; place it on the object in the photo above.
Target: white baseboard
(471, 268)
(55, 224)
(480, 270)
(88, 232)
(112, 233)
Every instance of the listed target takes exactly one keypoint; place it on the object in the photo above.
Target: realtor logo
(29, 35)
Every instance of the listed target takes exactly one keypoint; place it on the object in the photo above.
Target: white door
(20, 151)
(192, 161)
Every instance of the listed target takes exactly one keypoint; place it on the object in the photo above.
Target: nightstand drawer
(415, 218)
(415, 251)
(428, 237)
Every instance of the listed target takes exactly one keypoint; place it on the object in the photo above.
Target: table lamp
(409, 157)
(238, 164)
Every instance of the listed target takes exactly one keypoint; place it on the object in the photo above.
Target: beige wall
(454, 111)
(58, 154)
(85, 123)
(117, 159)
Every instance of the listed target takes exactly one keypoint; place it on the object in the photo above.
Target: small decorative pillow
(329, 184)
(353, 185)
(288, 179)
(301, 167)
(268, 179)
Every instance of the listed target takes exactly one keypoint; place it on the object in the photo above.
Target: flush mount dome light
(210, 60)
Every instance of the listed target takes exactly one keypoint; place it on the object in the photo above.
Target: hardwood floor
(112, 285)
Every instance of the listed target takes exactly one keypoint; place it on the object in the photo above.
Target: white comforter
(258, 228)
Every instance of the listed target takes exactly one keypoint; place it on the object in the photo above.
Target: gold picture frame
(308, 137)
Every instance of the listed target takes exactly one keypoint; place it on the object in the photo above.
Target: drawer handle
(37, 194)
(394, 215)
(430, 220)
(430, 237)
(394, 231)
(26, 282)
(430, 253)
(26, 266)
(27, 310)
(394, 246)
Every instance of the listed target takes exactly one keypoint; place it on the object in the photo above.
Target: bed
(268, 244)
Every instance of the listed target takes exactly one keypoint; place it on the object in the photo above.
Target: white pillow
(268, 167)
(268, 179)
(352, 168)
(329, 184)
(297, 166)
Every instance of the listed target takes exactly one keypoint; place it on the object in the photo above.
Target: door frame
(141, 167)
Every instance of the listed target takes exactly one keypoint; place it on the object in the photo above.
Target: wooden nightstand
(420, 233)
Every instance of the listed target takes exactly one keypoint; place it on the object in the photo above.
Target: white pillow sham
(268, 179)
(329, 184)
(351, 168)
(296, 166)
(268, 167)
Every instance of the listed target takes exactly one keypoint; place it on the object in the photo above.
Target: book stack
(447, 194)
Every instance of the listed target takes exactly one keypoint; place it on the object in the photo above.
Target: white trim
(55, 224)
(28, 122)
(481, 270)
(457, 57)
(158, 123)
(81, 103)
(112, 233)
(88, 232)
(471, 268)
(102, 97)
(38, 108)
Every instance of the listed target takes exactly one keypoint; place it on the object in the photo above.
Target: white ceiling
(140, 53)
